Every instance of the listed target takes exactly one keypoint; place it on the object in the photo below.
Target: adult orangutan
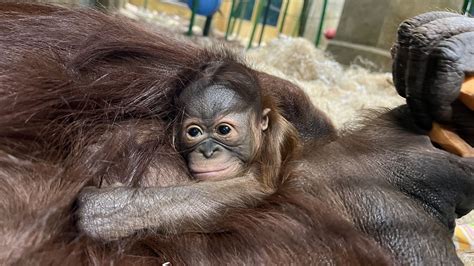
(87, 99)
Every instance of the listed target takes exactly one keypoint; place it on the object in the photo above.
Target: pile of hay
(340, 92)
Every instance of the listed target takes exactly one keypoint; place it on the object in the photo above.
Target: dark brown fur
(86, 98)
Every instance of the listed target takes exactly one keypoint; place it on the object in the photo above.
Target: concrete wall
(368, 28)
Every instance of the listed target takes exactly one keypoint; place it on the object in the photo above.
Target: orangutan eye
(194, 131)
(223, 129)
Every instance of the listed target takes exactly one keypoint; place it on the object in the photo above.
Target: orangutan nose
(208, 149)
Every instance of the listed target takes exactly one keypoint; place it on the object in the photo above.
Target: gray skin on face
(215, 134)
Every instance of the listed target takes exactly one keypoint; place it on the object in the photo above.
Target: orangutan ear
(264, 123)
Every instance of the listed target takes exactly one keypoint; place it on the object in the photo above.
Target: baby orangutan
(235, 144)
(220, 132)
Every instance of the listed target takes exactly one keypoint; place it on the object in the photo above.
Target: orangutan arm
(115, 212)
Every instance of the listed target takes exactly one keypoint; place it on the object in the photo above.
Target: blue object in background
(206, 7)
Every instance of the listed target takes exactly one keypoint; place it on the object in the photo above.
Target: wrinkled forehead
(210, 101)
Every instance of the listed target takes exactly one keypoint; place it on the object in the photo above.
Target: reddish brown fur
(85, 98)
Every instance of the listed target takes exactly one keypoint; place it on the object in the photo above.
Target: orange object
(445, 137)
(450, 141)
(467, 93)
